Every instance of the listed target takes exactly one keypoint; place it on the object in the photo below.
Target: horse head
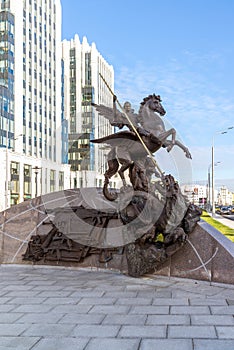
(153, 102)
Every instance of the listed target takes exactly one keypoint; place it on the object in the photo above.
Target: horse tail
(112, 170)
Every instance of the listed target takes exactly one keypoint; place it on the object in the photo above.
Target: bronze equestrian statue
(129, 148)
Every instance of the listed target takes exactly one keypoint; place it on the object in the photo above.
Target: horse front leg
(184, 148)
(163, 138)
(180, 145)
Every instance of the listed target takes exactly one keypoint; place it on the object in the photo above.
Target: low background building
(225, 197)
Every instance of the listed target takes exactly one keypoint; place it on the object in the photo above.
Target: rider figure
(134, 118)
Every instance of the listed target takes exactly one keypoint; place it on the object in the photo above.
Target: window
(52, 180)
(15, 184)
(27, 181)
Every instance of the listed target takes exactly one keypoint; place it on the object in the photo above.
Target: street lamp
(209, 186)
(213, 164)
(36, 169)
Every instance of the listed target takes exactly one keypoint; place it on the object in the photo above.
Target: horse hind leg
(112, 170)
(113, 167)
(125, 165)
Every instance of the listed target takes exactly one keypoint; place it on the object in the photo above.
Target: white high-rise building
(84, 86)
(32, 126)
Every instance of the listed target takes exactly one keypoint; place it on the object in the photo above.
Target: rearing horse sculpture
(126, 147)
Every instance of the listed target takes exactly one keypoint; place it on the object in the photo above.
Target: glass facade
(72, 91)
(64, 122)
(6, 77)
(81, 151)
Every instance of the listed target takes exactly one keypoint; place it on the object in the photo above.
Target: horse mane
(146, 99)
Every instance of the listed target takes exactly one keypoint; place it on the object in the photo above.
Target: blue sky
(180, 49)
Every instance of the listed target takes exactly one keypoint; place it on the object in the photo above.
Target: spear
(133, 127)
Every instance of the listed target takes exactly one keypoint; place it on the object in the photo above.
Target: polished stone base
(206, 255)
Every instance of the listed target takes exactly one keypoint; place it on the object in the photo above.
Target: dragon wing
(120, 138)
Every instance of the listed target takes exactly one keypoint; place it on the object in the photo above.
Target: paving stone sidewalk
(49, 308)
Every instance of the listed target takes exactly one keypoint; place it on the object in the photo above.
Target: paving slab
(97, 301)
(225, 332)
(170, 301)
(9, 329)
(48, 308)
(13, 342)
(46, 329)
(113, 344)
(168, 320)
(222, 310)
(65, 343)
(167, 344)
(149, 310)
(39, 318)
(142, 331)
(208, 301)
(77, 318)
(125, 319)
(96, 331)
(10, 317)
(190, 310)
(110, 309)
(212, 320)
(191, 332)
(213, 344)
